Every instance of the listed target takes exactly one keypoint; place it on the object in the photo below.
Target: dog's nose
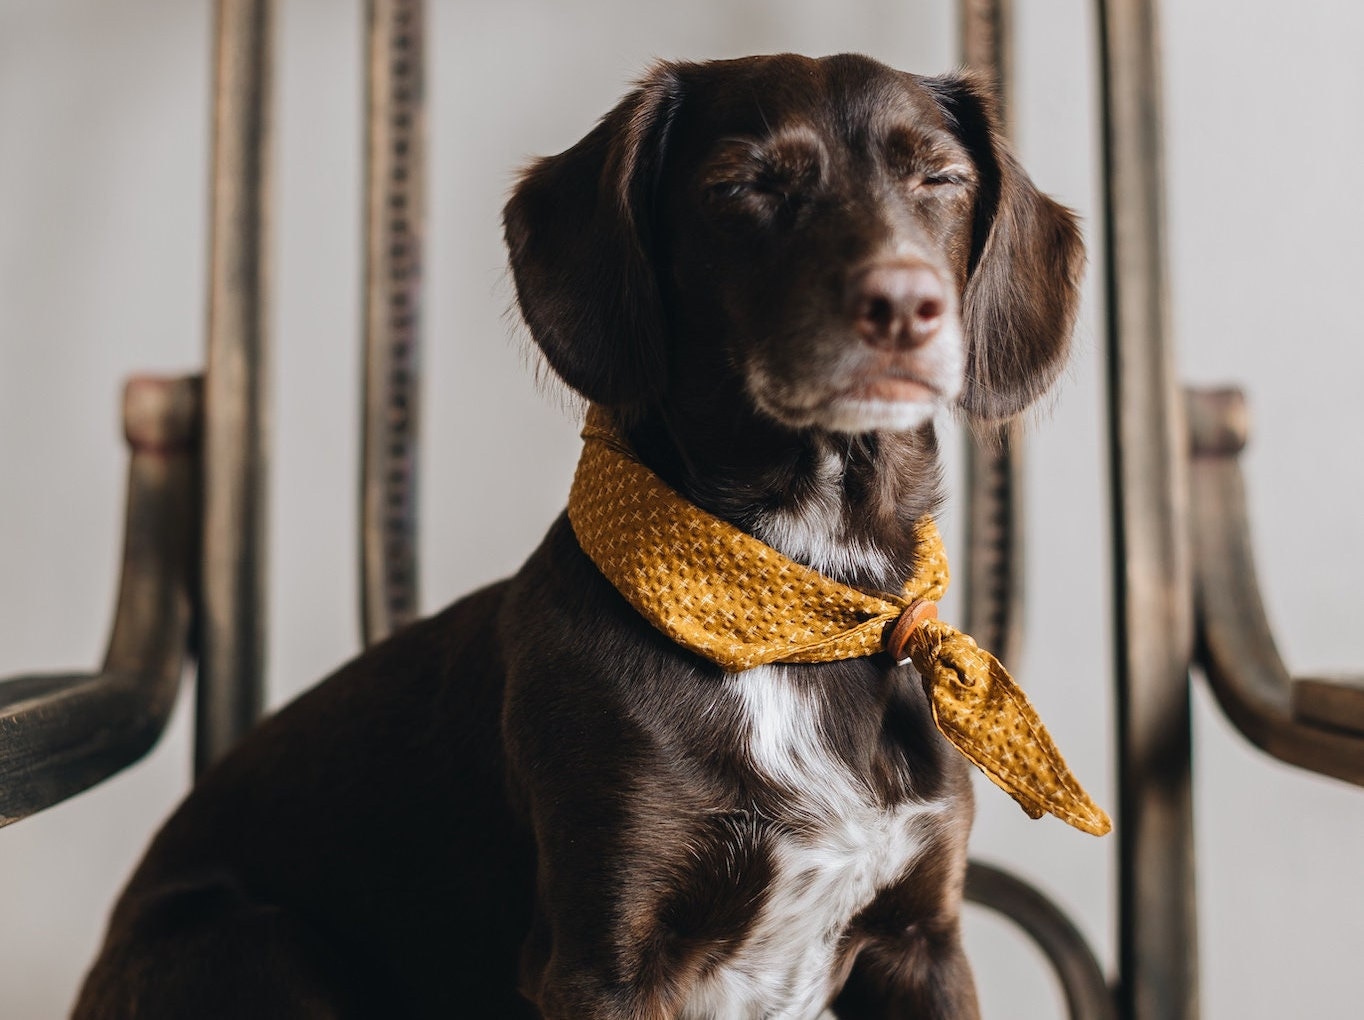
(897, 306)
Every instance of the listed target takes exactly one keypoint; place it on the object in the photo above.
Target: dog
(773, 272)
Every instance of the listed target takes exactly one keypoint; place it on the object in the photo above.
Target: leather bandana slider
(724, 595)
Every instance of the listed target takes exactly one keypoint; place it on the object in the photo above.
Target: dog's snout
(896, 306)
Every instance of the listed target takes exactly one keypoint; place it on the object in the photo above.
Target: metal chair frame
(1185, 591)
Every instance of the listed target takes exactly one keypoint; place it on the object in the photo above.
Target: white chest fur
(823, 875)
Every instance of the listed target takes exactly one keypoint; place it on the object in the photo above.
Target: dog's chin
(857, 414)
(880, 405)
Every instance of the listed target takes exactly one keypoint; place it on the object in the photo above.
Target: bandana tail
(983, 712)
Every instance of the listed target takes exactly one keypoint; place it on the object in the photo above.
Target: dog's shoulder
(400, 738)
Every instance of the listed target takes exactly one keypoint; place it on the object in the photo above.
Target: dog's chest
(825, 870)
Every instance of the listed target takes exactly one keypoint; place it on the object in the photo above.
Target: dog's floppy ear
(1027, 258)
(578, 228)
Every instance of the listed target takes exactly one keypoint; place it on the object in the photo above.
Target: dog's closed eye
(764, 178)
(956, 175)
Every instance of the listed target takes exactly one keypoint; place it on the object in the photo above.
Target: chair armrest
(61, 734)
(1310, 723)
(1337, 702)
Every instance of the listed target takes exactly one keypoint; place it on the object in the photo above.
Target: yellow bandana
(728, 597)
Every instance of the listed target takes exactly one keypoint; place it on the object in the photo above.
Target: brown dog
(774, 271)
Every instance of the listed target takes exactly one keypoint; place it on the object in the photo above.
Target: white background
(103, 147)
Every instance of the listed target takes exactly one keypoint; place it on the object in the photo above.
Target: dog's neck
(841, 504)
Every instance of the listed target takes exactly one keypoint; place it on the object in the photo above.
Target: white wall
(103, 142)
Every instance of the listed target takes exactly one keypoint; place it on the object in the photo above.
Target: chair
(1185, 582)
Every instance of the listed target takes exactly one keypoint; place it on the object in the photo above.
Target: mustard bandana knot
(724, 595)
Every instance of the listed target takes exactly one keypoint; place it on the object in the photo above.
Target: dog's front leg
(585, 997)
(922, 974)
(630, 917)
(594, 950)
(570, 979)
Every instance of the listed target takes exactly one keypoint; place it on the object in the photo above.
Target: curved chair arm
(1316, 724)
(62, 734)
(1082, 979)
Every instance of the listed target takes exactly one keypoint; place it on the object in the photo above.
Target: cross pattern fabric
(728, 597)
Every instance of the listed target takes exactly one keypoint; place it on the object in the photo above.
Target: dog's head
(851, 245)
